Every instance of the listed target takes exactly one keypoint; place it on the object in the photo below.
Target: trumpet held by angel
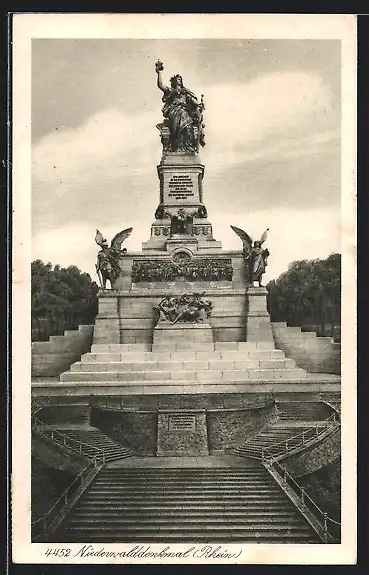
(107, 266)
(255, 256)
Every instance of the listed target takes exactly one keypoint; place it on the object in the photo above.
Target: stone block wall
(324, 487)
(315, 457)
(174, 432)
(47, 485)
(318, 470)
(315, 354)
(182, 433)
(128, 317)
(50, 358)
(55, 456)
(64, 414)
(228, 429)
(136, 430)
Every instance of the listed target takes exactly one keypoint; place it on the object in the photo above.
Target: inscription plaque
(180, 187)
(182, 422)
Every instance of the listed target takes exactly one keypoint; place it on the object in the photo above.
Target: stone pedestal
(183, 335)
(182, 433)
(180, 176)
(258, 324)
(107, 323)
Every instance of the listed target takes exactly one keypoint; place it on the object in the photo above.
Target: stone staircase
(93, 439)
(303, 411)
(185, 504)
(268, 438)
(311, 352)
(292, 420)
(52, 357)
(177, 363)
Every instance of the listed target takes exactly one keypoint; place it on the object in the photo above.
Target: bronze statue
(107, 266)
(182, 222)
(185, 308)
(255, 257)
(161, 213)
(183, 115)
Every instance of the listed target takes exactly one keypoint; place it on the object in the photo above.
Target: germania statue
(182, 129)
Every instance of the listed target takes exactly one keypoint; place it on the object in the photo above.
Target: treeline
(308, 294)
(61, 298)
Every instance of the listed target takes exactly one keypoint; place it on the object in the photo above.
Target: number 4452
(57, 552)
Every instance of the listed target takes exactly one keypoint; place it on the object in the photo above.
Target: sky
(272, 155)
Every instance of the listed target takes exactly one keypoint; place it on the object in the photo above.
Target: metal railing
(335, 405)
(42, 526)
(308, 435)
(38, 404)
(65, 441)
(330, 530)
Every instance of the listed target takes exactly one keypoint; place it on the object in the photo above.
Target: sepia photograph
(184, 374)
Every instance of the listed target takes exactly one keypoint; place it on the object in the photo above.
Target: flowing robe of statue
(255, 257)
(179, 109)
(257, 262)
(182, 112)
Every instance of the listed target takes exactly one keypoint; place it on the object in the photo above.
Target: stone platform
(182, 335)
(220, 367)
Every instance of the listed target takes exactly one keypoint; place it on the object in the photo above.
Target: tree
(61, 298)
(308, 293)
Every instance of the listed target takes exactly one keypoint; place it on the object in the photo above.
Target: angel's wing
(243, 235)
(264, 236)
(99, 238)
(119, 238)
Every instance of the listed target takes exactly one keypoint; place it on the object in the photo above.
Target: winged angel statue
(107, 266)
(255, 257)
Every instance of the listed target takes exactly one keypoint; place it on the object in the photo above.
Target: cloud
(239, 118)
(109, 140)
(275, 107)
(272, 144)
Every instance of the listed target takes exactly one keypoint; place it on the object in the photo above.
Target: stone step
(287, 329)
(190, 490)
(59, 347)
(255, 510)
(196, 365)
(187, 376)
(217, 346)
(133, 356)
(120, 347)
(176, 536)
(165, 528)
(157, 484)
(103, 498)
(184, 345)
(187, 473)
(221, 519)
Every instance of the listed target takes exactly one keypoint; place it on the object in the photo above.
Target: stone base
(258, 326)
(182, 433)
(181, 334)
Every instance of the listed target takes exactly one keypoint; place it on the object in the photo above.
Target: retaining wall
(315, 354)
(53, 357)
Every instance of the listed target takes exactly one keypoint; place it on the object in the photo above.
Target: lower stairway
(92, 440)
(303, 411)
(216, 504)
(294, 419)
(269, 437)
